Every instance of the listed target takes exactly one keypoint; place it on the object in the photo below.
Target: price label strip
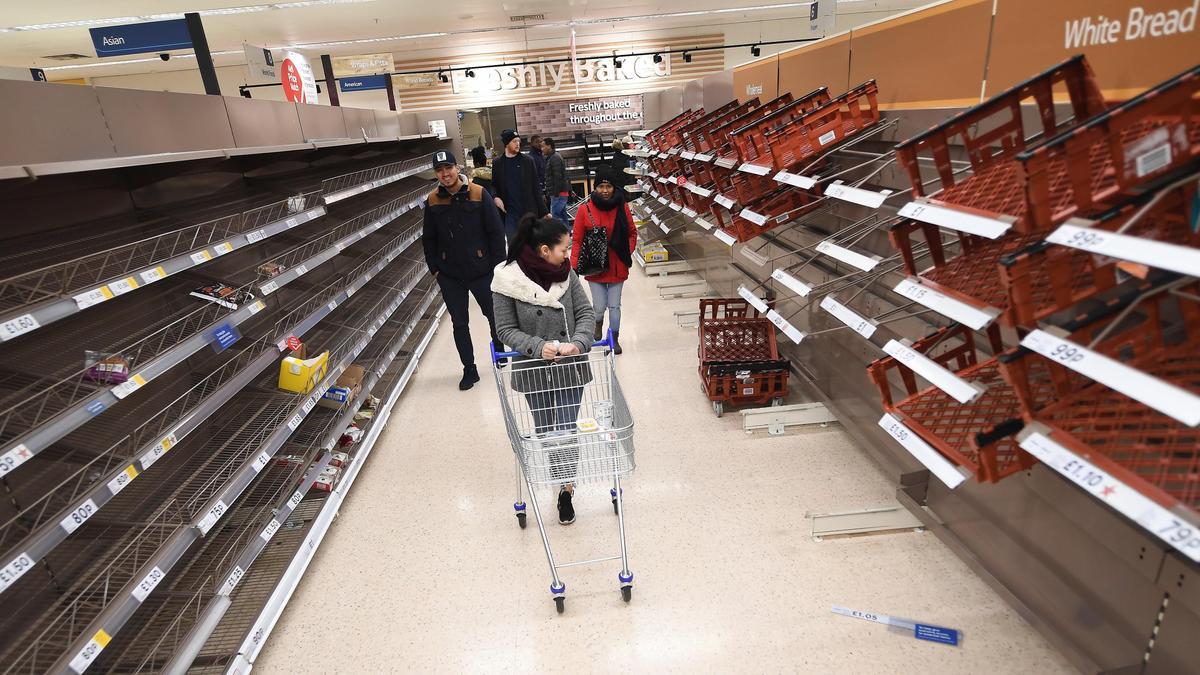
(921, 631)
(724, 201)
(726, 163)
(724, 236)
(847, 256)
(1182, 535)
(756, 218)
(954, 386)
(18, 327)
(755, 169)
(794, 334)
(855, 195)
(1161, 395)
(798, 287)
(704, 223)
(848, 316)
(955, 219)
(795, 180)
(931, 459)
(753, 299)
(975, 318)
(1161, 255)
(93, 297)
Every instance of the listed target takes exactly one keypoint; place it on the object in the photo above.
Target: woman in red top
(606, 208)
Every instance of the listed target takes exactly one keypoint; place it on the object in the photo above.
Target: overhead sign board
(139, 38)
(415, 81)
(363, 64)
(299, 83)
(362, 83)
(260, 65)
(27, 74)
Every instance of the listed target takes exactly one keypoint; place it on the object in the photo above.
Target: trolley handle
(496, 356)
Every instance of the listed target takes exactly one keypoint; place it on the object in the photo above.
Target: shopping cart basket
(568, 423)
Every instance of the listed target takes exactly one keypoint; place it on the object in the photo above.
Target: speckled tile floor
(425, 569)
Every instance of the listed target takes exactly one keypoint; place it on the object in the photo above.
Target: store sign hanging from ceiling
(140, 38)
(299, 83)
(555, 76)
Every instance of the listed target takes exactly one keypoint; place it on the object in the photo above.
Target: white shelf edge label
(154, 274)
(689, 212)
(724, 236)
(974, 318)
(848, 316)
(703, 157)
(232, 580)
(1161, 255)
(855, 195)
(92, 297)
(214, 514)
(18, 326)
(675, 207)
(269, 288)
(123, 286)
(1161, 395)
(90, 651)
(1180, 534)
(724, 201)
(128, 386)
(794, 334)
(755, 169)
(847, 256)
(704, 223)
(931, 459)
(201, 257)
(795, 180)
(954, 219)
(148, 584)
(753, 299)
(756, 218)
(798, 287)
(15, 569)
(270, 530)
(122, 480)
(954, 386)
(78, 516)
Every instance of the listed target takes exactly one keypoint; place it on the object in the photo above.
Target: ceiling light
(755, 51)
(616, 62)
(687, 57)
(442, 77)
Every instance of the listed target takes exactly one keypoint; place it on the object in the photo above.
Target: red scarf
(541, 271)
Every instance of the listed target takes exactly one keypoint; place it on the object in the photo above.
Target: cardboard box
(301, 375)
(348, 384)
(654, 253)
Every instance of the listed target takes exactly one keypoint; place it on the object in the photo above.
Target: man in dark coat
(537, 153)
(558, 188)
(515, 179)
(464, 241)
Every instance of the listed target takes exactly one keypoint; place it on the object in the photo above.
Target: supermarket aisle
(426, 570)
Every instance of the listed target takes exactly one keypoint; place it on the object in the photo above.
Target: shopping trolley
(568, 423)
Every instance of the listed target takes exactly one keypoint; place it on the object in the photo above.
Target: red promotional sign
(293, 86)
(681, 180)
(293, 343)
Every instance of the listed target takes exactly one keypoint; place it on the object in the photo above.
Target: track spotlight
(687, 57)
(442, 77)
(755, 51)
(245, 93)
(470, 73)
(616, 62)
(658, 58)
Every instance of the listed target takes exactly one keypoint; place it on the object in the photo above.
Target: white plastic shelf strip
(1180, 534)
(954, 386)
(974, 317)
(1158, 254)
(798, 287)
(756, 218)
(371, 185)
(724, 236)
(704, 222)
(725, 162)
(755, 169)
(847, 193)
(753, 299)
(931, 459)
(955, 219)
(724, 201)
(795, 180)
(793, 333)
(1163, 396)
(862, 326)
(704, 157)
(847, 256)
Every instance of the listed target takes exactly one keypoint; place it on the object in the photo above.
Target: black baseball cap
(441, 157)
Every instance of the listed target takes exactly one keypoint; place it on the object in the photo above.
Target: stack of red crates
(739, 358)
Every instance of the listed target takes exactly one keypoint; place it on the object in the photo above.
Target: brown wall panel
(929, 58)
(818, 64)
(150, 122)
(762, 73)
(1032, 35)
(257, 122)
(43, 122)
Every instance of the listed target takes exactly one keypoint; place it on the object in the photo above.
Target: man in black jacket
(515, 179)
(558, 188)
(464, 241)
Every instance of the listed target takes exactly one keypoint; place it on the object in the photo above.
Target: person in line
(606, 207)
(617, 165)
(515, 178)
(464, 241)
(543, 312)
(558, 188)
(537, 152)
(481, 174)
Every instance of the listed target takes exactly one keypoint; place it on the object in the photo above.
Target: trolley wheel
(719, 407)
(627, 593)
(560, 603)
(521, 520)
(777, 401)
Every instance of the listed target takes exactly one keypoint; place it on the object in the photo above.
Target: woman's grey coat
(527, 317)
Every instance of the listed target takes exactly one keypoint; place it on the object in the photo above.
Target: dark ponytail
(533, 231)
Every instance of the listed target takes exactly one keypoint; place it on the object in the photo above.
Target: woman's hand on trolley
(554, 350)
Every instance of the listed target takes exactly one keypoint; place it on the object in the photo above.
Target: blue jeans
(556, 410)
(510, 224)
(558, 209)
(607, 295)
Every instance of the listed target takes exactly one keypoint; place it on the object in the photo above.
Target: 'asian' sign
(139, 38)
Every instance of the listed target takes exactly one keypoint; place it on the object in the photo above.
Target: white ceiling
(473, 25)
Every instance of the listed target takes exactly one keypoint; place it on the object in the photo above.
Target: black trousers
(455, 293)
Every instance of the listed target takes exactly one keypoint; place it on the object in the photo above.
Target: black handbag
(593, 250)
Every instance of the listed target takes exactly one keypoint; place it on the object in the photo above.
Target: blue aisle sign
(138, 38)
(224, 336)
(363, 83)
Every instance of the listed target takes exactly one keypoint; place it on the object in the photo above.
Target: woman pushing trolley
(563, 408)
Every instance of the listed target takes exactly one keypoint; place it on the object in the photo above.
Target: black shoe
(616, 345)
(566, 512)
(469, 378)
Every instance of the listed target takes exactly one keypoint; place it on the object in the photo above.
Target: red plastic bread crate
(703, 137)
(1115, 154)
(992, 133)
(774, 209)
(688, 132)
(977, 435)
(1152, 452)
(672, 135)
(739, 358)
(750, 139)
(726, 151)
(810, 134)
(658, 138)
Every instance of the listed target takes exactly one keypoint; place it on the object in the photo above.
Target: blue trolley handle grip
(496, 356)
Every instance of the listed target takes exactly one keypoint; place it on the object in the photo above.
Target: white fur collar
(511, 281)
